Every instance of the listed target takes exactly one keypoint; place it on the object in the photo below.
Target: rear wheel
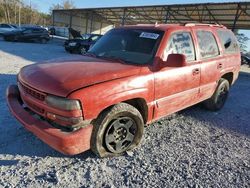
(83, 50)
(117, 130)
(15, 39)
(8, 39)
(217, 101)
(43, 41)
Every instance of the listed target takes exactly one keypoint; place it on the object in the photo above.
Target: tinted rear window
(5, 26)
(228, 41)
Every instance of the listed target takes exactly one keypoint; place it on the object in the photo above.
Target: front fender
(96, 98)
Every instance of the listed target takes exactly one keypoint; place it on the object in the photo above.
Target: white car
(7, 28)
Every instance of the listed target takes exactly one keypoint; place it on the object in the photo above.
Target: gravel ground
(192, 148)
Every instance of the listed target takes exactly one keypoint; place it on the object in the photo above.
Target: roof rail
(203, 24)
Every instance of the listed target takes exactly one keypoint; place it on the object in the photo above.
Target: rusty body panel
(99, 84)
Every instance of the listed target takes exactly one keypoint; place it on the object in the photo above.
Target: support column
(237, 15)
(91, 22)
(167, 17)
(87, 21)
(101, 28)
(53, 19)
(70, 21)
(123, 21)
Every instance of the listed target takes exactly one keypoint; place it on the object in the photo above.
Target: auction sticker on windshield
(149, 35)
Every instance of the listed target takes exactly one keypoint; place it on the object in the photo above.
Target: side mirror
(174, 60)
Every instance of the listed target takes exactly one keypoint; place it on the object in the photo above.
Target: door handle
(219, 66)
(196, 71)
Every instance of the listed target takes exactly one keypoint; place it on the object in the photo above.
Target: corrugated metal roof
(234, 15)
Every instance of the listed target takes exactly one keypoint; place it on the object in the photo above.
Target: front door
(177, 87)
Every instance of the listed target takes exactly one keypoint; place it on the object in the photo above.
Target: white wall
(82, 22)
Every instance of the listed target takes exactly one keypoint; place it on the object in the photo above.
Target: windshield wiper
(114, 58)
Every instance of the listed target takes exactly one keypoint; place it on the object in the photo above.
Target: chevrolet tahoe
(132, 76)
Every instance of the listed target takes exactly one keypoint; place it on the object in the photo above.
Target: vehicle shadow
(15, 139)
(235, 114)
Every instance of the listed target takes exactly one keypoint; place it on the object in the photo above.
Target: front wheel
(217, 101)
(117, 130)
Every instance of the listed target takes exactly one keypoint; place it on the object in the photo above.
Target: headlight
(63, 103)
(72, 44)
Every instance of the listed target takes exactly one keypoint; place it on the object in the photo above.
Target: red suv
(132, 76)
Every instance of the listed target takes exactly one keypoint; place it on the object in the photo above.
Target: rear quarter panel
(232, 61)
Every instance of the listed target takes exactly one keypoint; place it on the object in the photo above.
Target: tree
(11, 11)
(66, 4)
(242, 39)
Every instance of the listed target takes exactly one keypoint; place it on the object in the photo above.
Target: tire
(43, 41)
(117, 130)
(217, 101)
(7, 39)
(15, 39)
(82, 50)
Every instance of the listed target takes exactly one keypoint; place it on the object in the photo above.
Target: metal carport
(235, 15)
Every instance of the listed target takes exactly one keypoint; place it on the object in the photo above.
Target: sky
(44, 5)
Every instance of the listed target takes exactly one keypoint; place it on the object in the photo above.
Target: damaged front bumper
(69, 143)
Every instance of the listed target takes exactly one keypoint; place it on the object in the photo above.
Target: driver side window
(180, 43)
(28, 31)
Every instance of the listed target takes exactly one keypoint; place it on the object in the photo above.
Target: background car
(28, 34)
(7, 28)
(80, 43)
(52, 30)
(245, 59)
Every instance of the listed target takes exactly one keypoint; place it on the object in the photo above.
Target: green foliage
(11, 9)
(66, 4)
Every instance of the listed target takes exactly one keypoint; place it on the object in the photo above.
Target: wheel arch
(139, 103)
(229, 77)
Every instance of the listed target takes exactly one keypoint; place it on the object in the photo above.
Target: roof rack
(203, 24)
(156, 24)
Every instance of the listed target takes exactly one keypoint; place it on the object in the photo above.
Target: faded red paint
(99, 84)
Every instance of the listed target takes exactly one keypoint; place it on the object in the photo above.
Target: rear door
(209, 54)
(37, 33)
(177, 87)
(26, 34)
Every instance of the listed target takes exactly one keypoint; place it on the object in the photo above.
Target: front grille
(32, 92)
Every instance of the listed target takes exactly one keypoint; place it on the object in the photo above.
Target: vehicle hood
(76, 40)
(61, 78)
(75, 34)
